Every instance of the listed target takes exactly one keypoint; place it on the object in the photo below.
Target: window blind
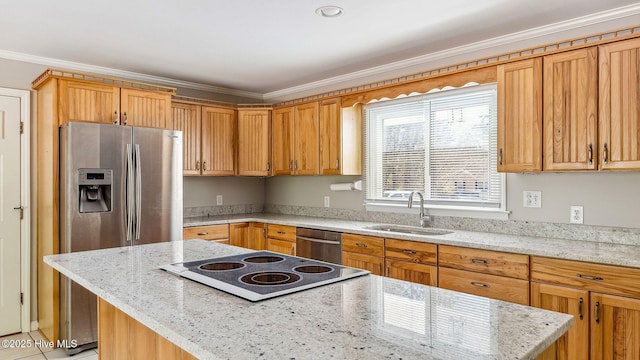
(442, 144)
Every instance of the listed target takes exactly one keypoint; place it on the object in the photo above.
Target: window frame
(444, 208)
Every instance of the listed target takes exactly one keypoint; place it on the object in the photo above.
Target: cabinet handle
(293, 251)
(590, 154)
(500, 157)
(379, 268)
(361, 245)
(281, 232)
(597, 314)
(197, 164)
(480, 261)
(409, 252)
(291, 165)
(268, 166)
(204, 233)
(580, 303)
(337, 164)
(589, 277)
(386, 271)
(605, 154)
(204, 165)
(295, 165)
(124, 117)
(115, 117)
(478, 284)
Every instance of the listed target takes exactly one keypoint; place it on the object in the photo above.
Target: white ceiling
(260, 46)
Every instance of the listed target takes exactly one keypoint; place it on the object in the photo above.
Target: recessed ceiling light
(329, 11)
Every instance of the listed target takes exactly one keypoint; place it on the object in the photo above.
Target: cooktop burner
(263, 274)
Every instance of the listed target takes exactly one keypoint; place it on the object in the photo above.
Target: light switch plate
(532, 199)
(327, 201)
(218, 199)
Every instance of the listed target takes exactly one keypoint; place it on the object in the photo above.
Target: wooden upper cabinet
(282, 141)
(330, 137)
(253, 142)
(570, 110)
(145, 108)
(218, 141)
(306, 139)
(186, 117)
(619, 107)
(89, 102)
(520, 116)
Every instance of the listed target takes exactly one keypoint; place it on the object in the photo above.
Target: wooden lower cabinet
(491, 286)
(373, 264)
(257, 237)
(615, 327)
(217, 233)
(574, 345)
(413, 272)
(122, 337)
(281, 246)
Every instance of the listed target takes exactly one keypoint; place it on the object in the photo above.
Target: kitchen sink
(408, 230)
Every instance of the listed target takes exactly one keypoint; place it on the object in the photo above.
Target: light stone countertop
(369, 317)
(597, 252)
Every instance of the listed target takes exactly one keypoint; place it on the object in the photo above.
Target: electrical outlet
(576, 215)
(532, 199)
(327, 201)
(219, 200)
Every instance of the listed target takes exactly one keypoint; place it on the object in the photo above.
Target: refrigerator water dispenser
(94, 190)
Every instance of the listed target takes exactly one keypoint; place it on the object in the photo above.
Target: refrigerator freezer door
(91, 156)
(158, 162)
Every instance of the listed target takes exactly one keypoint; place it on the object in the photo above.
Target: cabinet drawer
(363, 244)
(484, 261)
(413, 251)
(492, 286)
(281, 232)
(212, 232)
(281, 246)
(597, 277)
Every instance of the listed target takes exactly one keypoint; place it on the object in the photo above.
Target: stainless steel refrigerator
(119, 186)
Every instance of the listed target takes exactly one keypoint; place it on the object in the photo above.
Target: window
(442, 144)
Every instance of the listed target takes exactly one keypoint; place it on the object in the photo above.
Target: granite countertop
(597, 252)
(363, 318)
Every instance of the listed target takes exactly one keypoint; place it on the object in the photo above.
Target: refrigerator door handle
(138, 192)
(129, 194)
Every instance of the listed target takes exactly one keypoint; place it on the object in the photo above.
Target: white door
(9, 217)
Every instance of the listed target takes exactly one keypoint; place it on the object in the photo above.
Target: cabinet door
(282, 141)
(330, 137)
(615, 327)
(362, 261)
(253, 142)
(281, 246)
(88, 102)
(238, 234)
(257, 239)
(413, 272)
(619, 108)
(145, 108)
(574, 345)
(520, 116)
(186, 117)
(218, 141)
(570, 110)
(306, 151)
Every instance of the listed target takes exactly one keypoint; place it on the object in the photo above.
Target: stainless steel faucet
(423, 219)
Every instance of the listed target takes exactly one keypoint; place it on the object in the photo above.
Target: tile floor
(30, 350)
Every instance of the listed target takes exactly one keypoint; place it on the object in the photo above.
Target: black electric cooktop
(262, 275)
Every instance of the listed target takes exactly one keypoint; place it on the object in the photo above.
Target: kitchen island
(363, 318)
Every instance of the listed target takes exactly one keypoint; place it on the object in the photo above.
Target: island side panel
(120, 338)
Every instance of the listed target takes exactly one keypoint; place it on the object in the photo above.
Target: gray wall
(202, 191)
(608, 198)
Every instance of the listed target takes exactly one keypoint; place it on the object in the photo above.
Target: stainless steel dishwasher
(319, 245)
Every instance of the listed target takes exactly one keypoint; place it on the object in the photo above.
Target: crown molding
(130, 75)
(469, 49)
